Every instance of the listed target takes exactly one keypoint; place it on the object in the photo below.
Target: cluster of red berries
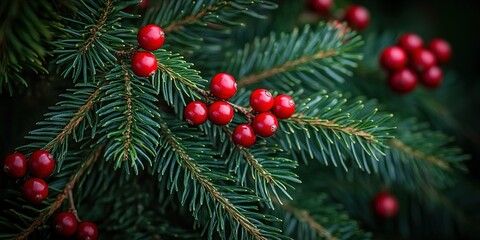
(65, 224)
(150, 37)
(266, 110)
(40, 165)
(357, 17)
(385, 205)
(409, 61)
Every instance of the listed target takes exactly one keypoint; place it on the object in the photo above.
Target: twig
(72, 208)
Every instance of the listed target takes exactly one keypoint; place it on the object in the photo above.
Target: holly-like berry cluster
(385, 205)
(65, 224)
(408, 62)
(357, 17)
(150, 37)
(40, 165)
(262, 117)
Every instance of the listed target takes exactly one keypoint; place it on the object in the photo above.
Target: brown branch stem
(94, 30)
(395, 143)
(72, 207)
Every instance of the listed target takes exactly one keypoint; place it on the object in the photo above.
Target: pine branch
(395, 143)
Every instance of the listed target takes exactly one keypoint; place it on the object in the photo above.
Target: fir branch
(97, 27)
(62, 196)
(128, 114)
(395, 143)
(177, 25)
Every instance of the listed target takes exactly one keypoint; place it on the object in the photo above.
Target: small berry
(195, 113)
(15, 165)
(41, 164)
(410, 42)
(65, 224)
(393, 58)
(244, 135)
(87, 231)
(223, 86)
(151, 37)
(357, 17)
(265, 124)
(220, 113)
(403, 81)
(321, 6)
(283, 107)
(441, 49)
(35, 190)
(432, 77)
(261, 100)
(142, 4)
(385, 205)
(144, 64)
(423, 60)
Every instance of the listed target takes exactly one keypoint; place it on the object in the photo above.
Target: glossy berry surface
(357, 17)
(410, 42)
(15, 165)
(244, 135)
(441, 49)
(261, 100)
(393, 58)
(150, 37)
(35, 190)
(423, 60)
(220, 113)
(144, 64)
(283, 106)
(403, 81)
(385, 205)
(65, 224)
(321, 6)
(195, 113)
(223, 86)
(265, 124)
(41, 164)
(432, 77)
(87, 231)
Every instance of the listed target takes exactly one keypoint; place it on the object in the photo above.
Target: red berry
(441, 49)
(195, 113)
(265, 124)
(65, 224)
(35, 190)
(432, 77)
(142, 4)
(410, 42)
(385, 205)
(244, 135)
(87, 231)
(321, 6)
(423, 60)
(283, 107)
(261, 100)
(357, 17)
(403, 81)
(220, 113)
(223, 86)
(150, 37)
(393, 58)
(144, 64)
(41, 164)
(15, 165)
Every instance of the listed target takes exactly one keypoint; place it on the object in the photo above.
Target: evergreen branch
(128, 113)
(395, 143)
(97, 27)
(44, 215)
(176, 25)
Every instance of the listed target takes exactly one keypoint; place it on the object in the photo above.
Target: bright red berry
(220, 113)
(142, 4)
(357, 17)
(261, 100)
(195, 113)
(144, 64)
(35, 190)
(385, 205)
(283, 107)
(150, 37)
(432, 77)
(244, 135)
(410, 42)
(403, 81)
(223, 86)
(41, 164)
(65, 224)
(15, 165)
(441, 49)
(423, 60)
(265, 124)
(393, 58)
(321, 6)
(87, 231)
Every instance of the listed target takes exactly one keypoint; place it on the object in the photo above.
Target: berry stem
(72, 208)
(249, 113)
